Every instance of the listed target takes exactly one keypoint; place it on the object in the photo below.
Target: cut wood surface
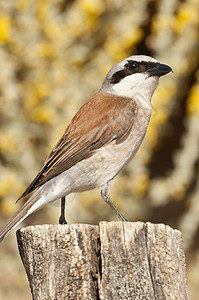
(114, 260)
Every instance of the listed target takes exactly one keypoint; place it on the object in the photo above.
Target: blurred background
(54, 54)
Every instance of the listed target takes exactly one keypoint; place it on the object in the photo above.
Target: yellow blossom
(8, 143)
(93, 7)
(131, 37)
(22, 4)
(43, 114)
(140, 184)
(4, 29)
(193, 101)
(188, 14)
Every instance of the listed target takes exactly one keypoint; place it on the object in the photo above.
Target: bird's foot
(62, 221)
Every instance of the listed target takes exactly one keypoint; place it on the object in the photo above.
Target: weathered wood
(142, 261)
(111, 261)
(61, 261)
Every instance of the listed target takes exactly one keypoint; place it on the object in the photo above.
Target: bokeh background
(54, 54)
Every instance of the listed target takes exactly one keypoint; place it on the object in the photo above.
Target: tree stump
(114, 260)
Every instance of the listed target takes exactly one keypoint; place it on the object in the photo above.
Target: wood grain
(114, 260)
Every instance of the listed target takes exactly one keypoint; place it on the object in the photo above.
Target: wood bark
(114, 260)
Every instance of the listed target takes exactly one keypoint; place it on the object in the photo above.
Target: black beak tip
(165, 69)
(160, 70)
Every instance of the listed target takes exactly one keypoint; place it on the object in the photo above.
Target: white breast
(102, 166)
(114, 157)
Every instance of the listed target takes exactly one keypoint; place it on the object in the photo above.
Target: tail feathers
(20, 215)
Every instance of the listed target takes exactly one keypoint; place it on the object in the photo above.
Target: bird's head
(135, 76)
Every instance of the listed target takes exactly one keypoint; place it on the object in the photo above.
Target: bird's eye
(132, 65)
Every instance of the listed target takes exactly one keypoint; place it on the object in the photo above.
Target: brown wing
(99, 121)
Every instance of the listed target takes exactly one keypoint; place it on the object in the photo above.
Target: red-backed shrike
(101, 139)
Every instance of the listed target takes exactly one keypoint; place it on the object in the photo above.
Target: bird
(100, 140)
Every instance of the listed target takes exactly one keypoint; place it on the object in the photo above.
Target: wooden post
(111, 261)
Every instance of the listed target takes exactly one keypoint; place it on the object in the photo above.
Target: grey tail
(19, 216)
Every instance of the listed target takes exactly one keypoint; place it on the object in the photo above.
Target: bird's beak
(160, 70)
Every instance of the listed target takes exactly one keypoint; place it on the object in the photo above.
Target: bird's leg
(105, 192)
(62, 219)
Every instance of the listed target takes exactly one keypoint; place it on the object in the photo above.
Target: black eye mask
(132, 67)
